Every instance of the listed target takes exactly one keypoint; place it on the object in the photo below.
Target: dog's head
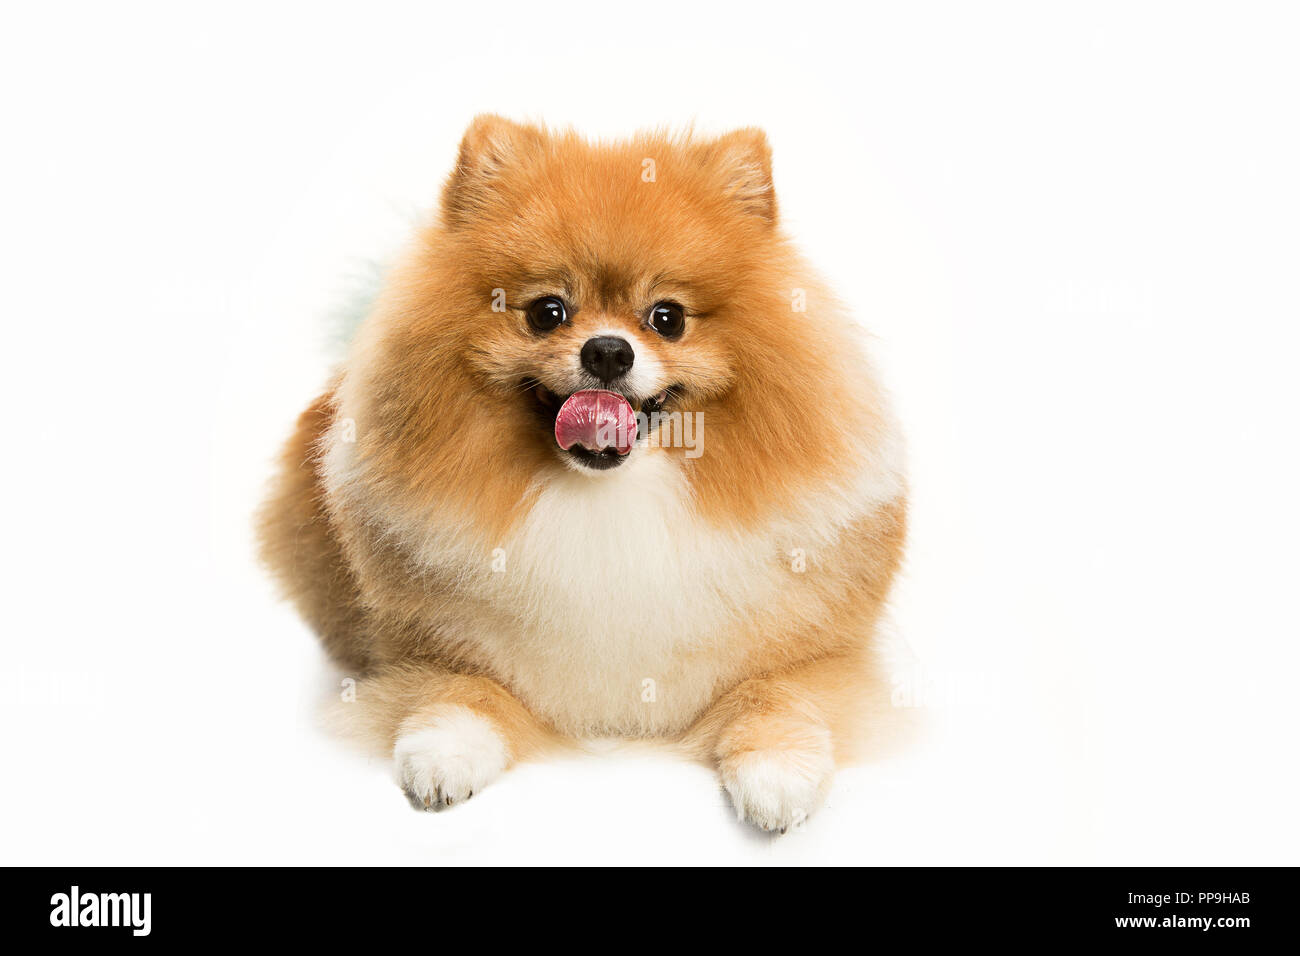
(602, 281)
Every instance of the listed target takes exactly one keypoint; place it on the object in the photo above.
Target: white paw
(778, 789)
(448, 758)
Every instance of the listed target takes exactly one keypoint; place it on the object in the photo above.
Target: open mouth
(596, 427)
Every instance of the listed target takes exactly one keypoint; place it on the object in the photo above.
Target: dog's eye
(668, 319)
(546, 313)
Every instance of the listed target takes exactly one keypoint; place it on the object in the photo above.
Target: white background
(1072, 227)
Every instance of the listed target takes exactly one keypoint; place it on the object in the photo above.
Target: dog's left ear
(744, 160)
(492, 145)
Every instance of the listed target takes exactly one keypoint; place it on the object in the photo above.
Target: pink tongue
(596, 420)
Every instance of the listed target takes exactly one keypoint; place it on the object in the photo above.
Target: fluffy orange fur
(426, 525)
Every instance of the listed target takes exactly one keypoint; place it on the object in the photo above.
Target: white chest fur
(619, 593)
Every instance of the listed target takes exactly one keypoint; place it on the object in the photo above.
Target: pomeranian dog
(605, 459)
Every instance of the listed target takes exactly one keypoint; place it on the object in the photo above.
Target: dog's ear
(743, 158)
(492, 144)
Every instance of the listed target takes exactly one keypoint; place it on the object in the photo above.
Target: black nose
(607, 357)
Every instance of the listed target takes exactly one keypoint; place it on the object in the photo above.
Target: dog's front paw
(779, 788)
(448, 757)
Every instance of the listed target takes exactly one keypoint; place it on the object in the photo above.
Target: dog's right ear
(491, 144)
